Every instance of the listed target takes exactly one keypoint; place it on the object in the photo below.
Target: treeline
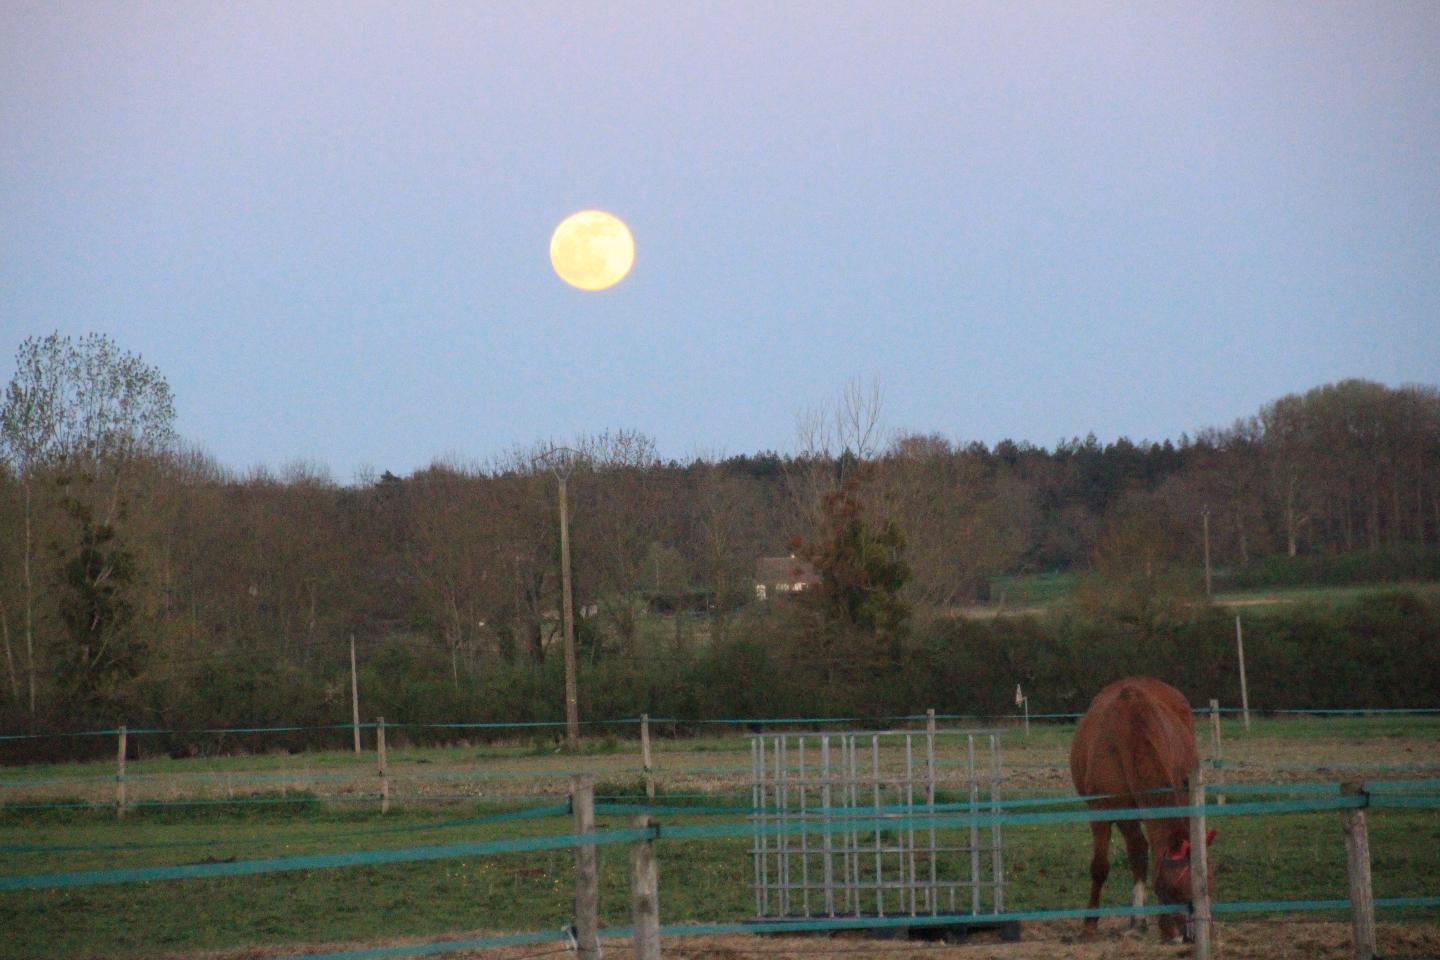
(142, 582)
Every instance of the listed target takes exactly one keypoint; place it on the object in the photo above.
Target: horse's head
(1173, 885)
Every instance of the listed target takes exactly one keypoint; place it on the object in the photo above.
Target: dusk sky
(328, 224)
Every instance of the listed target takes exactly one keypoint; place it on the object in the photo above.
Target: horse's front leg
(1099, 869)
(1137, 850)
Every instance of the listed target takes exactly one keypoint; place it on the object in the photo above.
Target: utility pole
(1240, 654)
(561, 460)
(1205, 514)
(354, 695)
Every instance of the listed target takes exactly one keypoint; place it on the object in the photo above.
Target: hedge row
(1379, 651)
(1392, 565)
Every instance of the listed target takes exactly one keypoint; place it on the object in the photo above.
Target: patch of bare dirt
(1279, 940)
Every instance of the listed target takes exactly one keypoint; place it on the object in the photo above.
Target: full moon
(592, 250)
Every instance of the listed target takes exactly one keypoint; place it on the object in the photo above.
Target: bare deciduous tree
(834, 442)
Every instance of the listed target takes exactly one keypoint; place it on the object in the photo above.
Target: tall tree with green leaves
(78, 408)
(860, 560)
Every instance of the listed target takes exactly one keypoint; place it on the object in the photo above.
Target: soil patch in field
(1254, 940)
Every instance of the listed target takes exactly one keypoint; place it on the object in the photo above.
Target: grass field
(1280, 857)
(1321, 596)
(1032, 590)
(1040, 592)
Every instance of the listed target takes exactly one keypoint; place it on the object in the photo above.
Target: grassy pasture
(1292, 856)
(1276, 597)
(1276, 748)
(1040, 592)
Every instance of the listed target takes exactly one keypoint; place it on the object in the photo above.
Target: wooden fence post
(645, 756)
(930, 724)
(1357, 872)
(645, 893)
(384, 766)
(587, 870)
(1200, 871)
(1215, 750)
(120, 776)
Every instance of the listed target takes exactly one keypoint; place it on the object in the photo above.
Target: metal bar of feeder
(974, 829)
(782, 861)
(829, 839)
(932, 902)
(879, 846)
(763, 847)
(853, 877)
(910, 805)
(797, 790)
(805, 836)
(996, 866)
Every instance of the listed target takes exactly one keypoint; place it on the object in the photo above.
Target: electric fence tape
(531, 844)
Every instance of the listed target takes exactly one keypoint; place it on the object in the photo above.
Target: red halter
(1180, 853)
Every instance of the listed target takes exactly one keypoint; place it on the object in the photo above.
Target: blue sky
(327, 223)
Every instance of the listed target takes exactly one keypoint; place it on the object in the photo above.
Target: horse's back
(1137, 736)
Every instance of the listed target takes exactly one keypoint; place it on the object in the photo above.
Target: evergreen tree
(862, 572)
(101, 654)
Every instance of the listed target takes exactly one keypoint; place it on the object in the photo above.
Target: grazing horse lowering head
(1173, 884)
(1135, 748)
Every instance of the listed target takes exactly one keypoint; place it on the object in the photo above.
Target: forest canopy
(139, 577)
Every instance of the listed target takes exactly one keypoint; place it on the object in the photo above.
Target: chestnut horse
(1135, 747)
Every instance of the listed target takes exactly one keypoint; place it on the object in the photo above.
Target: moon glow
(592, 250)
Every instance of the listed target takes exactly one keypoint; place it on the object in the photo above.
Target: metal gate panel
(812, 792)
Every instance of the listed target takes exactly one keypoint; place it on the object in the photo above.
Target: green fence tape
(199, 731)
(1399, 800)
(512, 725)
(377, 857)
(1262, 789)
(985, 820)
(758, 722)
(1393, 786)
(1399, 903)
(50, 736)
(1358, 711)
(1301, 906)
(979, 806)
(322, 861)
(730, 721)
(327, 800)
(50, 782)
(533, 813)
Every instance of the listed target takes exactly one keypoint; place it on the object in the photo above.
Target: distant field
(1031, 590)
(330, 806)
(1034, 593)
(1325, 596)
